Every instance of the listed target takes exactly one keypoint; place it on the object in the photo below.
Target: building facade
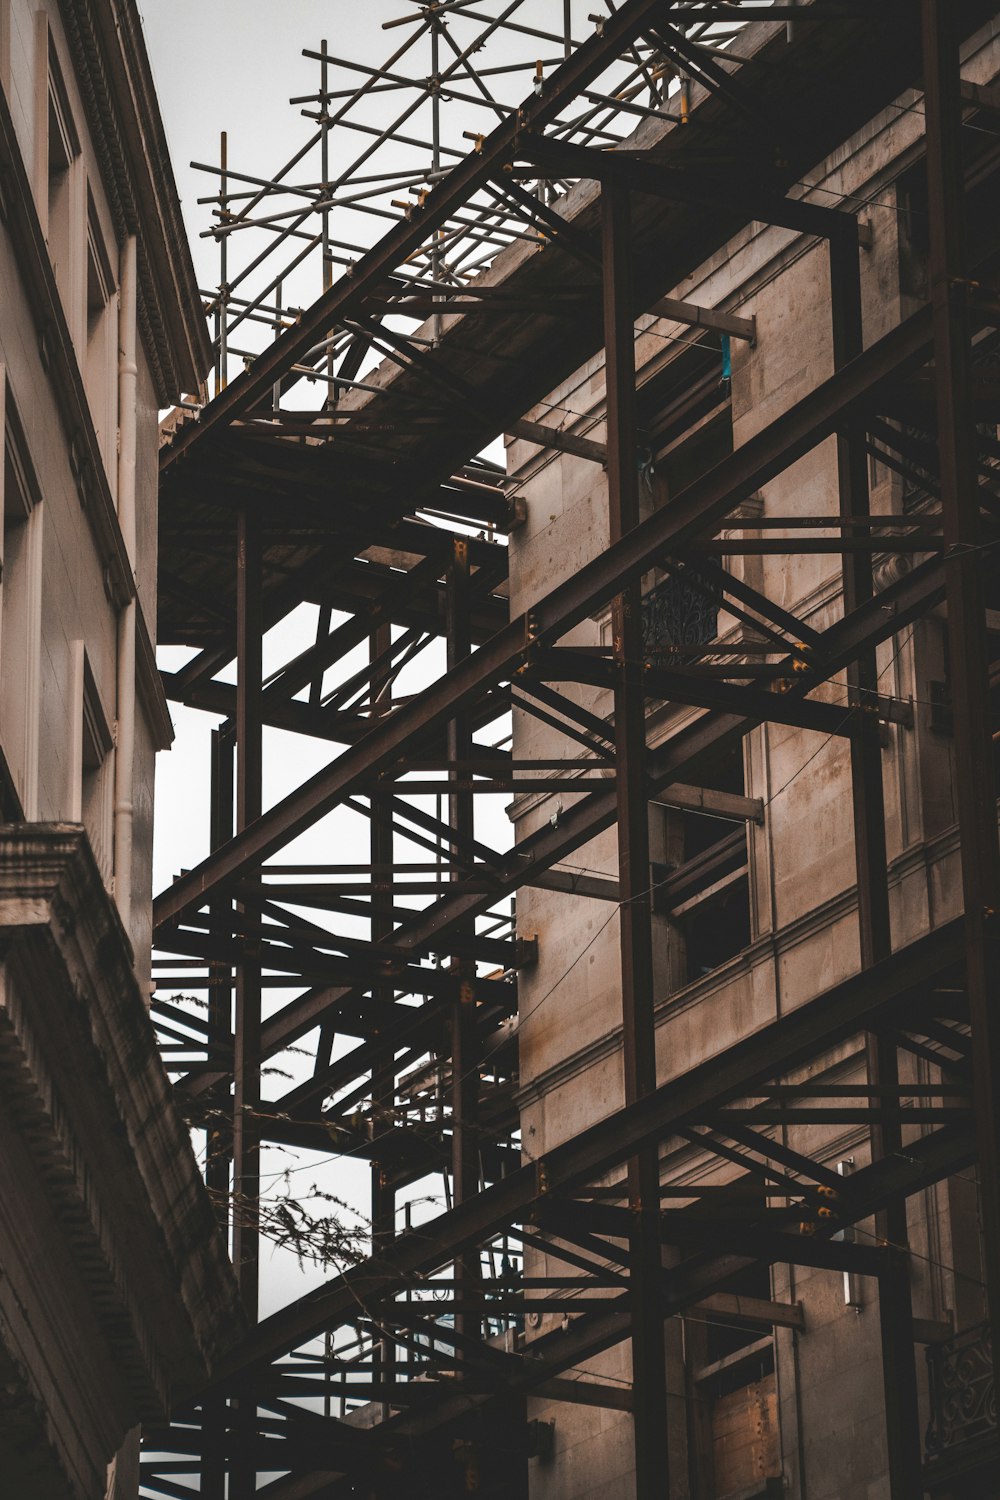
(775, 1386)
(114, 1291)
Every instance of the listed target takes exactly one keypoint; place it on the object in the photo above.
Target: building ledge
(117, 1290)
(968, 1471)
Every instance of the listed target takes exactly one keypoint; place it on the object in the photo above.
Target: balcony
(961, 1443)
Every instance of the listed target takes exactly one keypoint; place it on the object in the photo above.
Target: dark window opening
(63, 149)
(100, 365)
(19, 608)
(693, 454)
(913, 220)
(717, 931)
(724, 1338)
(704, 888)
(691, 433)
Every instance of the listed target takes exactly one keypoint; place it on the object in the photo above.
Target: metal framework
(517, 262)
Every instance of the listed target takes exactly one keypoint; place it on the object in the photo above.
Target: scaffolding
(287, 235)
(377, 505)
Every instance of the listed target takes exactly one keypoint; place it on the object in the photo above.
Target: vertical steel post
(635, 911)
(222, 316)
(246, 1136)
(436, 24)
(324, 151)
(246, 1050)
(964, 565)
(220, 989)
(383, 1195)
(464, 1041)
(902, 1421)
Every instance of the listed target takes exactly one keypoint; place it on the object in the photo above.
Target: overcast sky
(233, 65)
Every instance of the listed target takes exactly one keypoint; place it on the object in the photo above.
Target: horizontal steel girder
(868, 1000)
(701, 506)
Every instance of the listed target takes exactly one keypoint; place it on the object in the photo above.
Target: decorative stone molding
(97, 1169)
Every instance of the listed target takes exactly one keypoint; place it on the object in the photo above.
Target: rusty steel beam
(649, 1411)
(701, 506)
(871, 998)
(346, 298)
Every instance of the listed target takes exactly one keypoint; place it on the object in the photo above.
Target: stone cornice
(32, 1102)
(94, 1105)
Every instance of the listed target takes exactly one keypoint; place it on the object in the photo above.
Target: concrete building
(776, 1386)
(716, 1120)
(115, 1293)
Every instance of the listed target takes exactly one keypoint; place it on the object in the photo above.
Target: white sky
(233, 65)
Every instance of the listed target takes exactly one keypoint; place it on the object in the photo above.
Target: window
(702, 887)
(92, 791)
(100, 362)
(913, 221)
(686, 418)
(57, 181)
(20, 613)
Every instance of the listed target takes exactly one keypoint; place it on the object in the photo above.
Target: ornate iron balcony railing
(962, 1390)
(678, 612)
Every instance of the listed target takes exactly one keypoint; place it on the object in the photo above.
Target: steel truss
(375, 509)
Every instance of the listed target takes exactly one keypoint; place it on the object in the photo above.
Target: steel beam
(702, 506)
(870, 999)
(635, 909)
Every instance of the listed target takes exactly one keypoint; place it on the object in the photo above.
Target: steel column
(249, 770)
(218, 1150)
(964, 566)
(463, 1030)
(635, 895)
(871, 864)
(384, 1095)
(218, 1155)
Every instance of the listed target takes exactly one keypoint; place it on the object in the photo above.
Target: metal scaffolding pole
(871, 864)
(246, 1041)
(464, 1041)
